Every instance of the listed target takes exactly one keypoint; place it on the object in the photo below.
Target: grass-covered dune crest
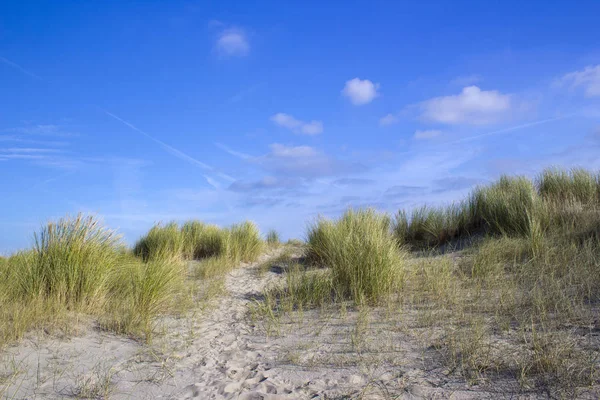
(78, 267)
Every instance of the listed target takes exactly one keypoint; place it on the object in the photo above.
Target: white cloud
(471, 106)
(427, 134)
(233, 43)
(312, 128)
(295, 125)
(588, 79)
(389, 119)
(360, 91)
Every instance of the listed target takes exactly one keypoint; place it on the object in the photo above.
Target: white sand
(221, 355)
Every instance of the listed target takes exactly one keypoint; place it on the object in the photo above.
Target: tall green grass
(140, 291)
(244, 242)
(162, 241)
(70, 262)
(77, 266)
(364, 258)
(507, 207)
(576, 185)
(192, 232)
(196, 240)
(512, 206)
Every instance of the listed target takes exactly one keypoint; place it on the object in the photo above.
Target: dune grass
(365, 260)
(507, 308)
(512, 206)
(77, 269)
(244, 243)
(565, 186)
(162, 241)
(520, 302)
(196, 241)
(141, 291)
(272, 238)
(70, 263)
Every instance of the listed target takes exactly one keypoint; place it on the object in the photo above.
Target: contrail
(18, 67)
(512, 128)
(177, 153)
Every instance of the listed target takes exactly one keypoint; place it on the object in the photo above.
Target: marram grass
(365, 259)
(161, 241)
(512, 206)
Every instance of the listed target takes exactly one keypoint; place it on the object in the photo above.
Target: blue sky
(279, 111)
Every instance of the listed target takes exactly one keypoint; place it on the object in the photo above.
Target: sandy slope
(221, 354)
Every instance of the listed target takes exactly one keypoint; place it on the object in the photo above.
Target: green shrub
(364, 258)
(161, 242)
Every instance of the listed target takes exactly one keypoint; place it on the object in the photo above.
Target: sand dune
(223, 354)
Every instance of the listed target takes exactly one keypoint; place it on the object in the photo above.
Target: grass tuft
(364, 258)
(273, 238)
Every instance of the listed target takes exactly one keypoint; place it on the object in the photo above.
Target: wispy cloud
(51, 130)
(389, 119)
(28, 150)
(233, 42)
(266, 183)
(19, 68)
(297, 126)
(234, 153)
(297, 162)
(587, 79)
(427, 134)
(304, 161)
(172, 150)
(15, 156)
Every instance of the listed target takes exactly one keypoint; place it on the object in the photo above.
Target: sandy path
(211, 356)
